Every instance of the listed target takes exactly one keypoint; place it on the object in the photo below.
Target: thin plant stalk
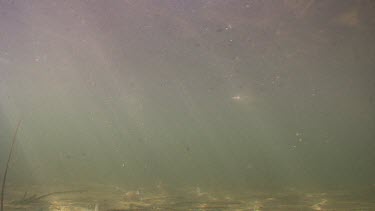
(7, 165)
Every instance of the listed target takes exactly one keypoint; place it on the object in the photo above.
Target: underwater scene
(202, 105)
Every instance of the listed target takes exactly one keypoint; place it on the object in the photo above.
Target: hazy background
(193, 93)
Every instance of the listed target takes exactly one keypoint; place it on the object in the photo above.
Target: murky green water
(177, 105)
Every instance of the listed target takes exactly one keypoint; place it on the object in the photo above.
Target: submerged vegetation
(7, 166)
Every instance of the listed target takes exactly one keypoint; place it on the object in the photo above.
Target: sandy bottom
(112, 198)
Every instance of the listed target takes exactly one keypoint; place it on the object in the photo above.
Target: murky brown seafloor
(112, 198)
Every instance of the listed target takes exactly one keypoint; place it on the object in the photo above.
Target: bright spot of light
(237, 97)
